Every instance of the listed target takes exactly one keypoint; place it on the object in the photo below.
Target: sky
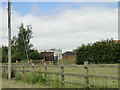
(63, 25)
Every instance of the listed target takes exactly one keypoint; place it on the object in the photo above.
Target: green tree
(105, 51)
(4, 54)
(34, 55)
(23, 41)
(21, 46)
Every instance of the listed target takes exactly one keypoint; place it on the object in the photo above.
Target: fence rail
(92, 65)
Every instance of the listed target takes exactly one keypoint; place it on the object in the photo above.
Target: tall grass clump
(33, 78)
(39, 78)
(4, 75)
(19, 77)
(56, 83)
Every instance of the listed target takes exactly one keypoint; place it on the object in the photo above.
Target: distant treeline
(104, 51)
(32, 54)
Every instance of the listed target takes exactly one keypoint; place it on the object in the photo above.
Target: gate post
(45, 71)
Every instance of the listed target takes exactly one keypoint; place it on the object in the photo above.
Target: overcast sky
(63, 25)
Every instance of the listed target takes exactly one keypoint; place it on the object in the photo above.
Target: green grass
(94, 82)
(38, 79)
(67, 61)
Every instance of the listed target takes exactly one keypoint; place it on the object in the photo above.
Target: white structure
(57, 53)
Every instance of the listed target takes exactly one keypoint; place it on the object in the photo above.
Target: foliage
(5, 75)
(56, 83)
(34, 78)
(0, 54)
(21, 46)
(18, 77)
(34, 55)
(4, 54)
(22, 43)
(13, 73)
(30, 78)
(105, 51)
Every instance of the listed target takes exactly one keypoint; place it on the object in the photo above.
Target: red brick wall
(69, 57)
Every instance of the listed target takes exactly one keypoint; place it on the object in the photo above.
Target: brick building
(117, 41)
(48, 56)
(68, 55)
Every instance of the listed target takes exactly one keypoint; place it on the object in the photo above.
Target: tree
(4, 54)
(105, 51)
(22, 42)
(0, 54)
(34, 55)
(21, 46)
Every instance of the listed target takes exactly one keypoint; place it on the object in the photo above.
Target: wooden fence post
(62, 76)
(40, 69)
(45, 71)
(3, 68)
(86, 74)
(23, 69)
(33, 68)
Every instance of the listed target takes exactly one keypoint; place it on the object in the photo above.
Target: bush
(105, 51)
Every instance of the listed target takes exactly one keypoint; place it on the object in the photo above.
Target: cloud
(68, 29)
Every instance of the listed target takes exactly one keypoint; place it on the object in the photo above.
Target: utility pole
(9, 39)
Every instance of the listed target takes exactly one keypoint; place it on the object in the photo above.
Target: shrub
(105, 51)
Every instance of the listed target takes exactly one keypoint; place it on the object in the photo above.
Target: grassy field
(98, 82)
(93, 82)
(19, 84)
(67, 61)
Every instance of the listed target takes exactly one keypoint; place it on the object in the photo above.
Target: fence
(62, 73)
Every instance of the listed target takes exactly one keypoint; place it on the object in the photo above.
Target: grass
(38, 79)
(20, 84)
(93, 82)
(67, 61)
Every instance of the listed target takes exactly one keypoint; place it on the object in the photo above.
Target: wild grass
(38, 78)
(94, 82)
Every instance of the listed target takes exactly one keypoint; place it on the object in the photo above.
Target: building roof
(117, 41)
(68, 53)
